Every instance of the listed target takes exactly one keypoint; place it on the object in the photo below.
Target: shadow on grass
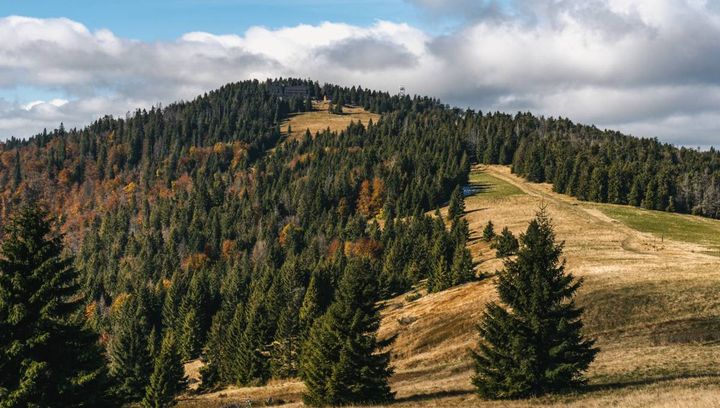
(474, 211)
(475, 188)
(433, 395)
(618, 385)
(578, 393)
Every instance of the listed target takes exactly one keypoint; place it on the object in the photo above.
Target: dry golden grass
(652, 305)
(321, 119)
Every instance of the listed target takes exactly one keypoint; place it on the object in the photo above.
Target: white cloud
(651, 67)
(57, 102)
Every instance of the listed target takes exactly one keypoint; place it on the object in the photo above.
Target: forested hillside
(602, 166)
(194, 220)
(200, 230)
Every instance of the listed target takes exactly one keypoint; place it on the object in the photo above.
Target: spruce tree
(284, 357)
(253, 346)
(17, 174)
(489, 232)
(47, 357)
(441, 278)
(505, 244)
(340, 363)
(286, 344)
(190, 342)
(461, 270)
(393, 279)
(226, 328)
(129, 347)
(531, 343)
(168, 377)
(311, 306)
(456, 208)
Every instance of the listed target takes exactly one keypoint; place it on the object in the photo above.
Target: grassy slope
(489, 186)
(651, 304)
(320, 119)
(679, 227)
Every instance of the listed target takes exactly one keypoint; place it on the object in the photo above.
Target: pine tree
(392, 278)
(441, 278)
(227, 326)
(286, 343)
(337, 108)
(173, 301)
(47, 357)
(252, 353)
(284, 356)
(505, 244)
(311, 305)
(456, 208)
(489, 232)
(129, 347)
(17, 174)
(194, 312)
(531, 344)
(190, 342)
(168, 377)
(340, 363)
(461, 270)
(460, 231)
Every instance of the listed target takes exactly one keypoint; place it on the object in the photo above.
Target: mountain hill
(229, 220)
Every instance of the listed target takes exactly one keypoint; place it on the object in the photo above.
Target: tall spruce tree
(441, 278)
(311, 306)
(168, 377)
(47, 357)
(456, 208)
(340, 362)
(461, 270)
(532, 343)
(489, 232)
(129, 347)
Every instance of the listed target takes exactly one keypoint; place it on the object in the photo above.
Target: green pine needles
(531, 344)
(340, 362)
(47, 357)
(168, 377)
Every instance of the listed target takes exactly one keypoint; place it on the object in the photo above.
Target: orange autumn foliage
(119, 301)
(194, 261)
(371, 197)
(90, 310)
(364, 248)
(286, 231)
(228, 249)
(334, 246)
(64, 177)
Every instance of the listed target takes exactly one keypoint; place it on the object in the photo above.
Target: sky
(650, 68)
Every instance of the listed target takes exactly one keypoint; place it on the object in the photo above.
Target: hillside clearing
(320, 119)
(680, 227)
(651, 303)
(487, 186)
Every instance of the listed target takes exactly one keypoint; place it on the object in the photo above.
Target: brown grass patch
(321, 119)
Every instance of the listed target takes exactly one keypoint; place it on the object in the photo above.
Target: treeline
(601, 166)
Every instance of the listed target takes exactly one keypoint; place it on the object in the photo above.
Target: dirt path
(632, 240)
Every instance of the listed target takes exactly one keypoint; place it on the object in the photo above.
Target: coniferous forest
(197, 230)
